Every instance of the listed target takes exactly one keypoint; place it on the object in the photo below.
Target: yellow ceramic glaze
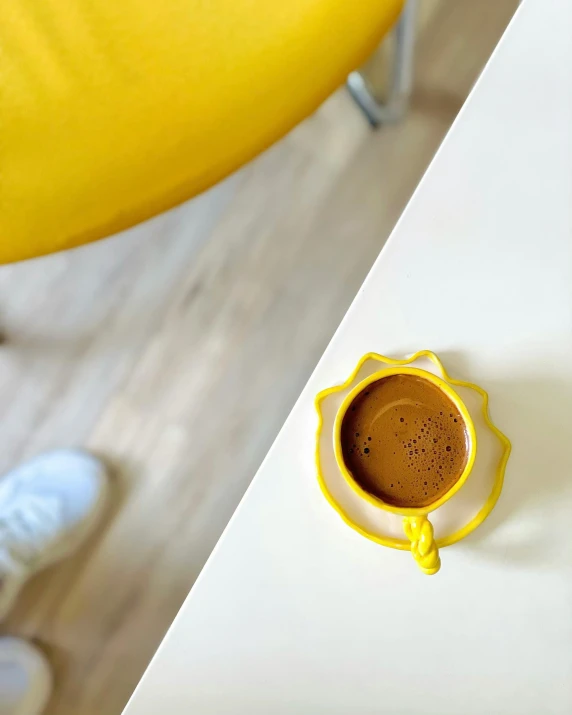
(114, 110)
(417, 528)
(419, 531)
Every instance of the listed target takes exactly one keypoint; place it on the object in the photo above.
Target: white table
(297, 614)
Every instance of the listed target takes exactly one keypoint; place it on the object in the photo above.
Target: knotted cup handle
(419, 531)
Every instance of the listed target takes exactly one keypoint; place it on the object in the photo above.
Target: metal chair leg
(394, 107)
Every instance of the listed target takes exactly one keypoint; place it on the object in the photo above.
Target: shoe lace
(28, 528)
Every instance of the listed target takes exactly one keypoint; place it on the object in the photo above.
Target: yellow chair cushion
(114, 110)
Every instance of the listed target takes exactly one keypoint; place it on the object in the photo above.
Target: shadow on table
(536, 415)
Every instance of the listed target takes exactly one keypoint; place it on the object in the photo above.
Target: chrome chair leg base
(375, 112)
(395, 106)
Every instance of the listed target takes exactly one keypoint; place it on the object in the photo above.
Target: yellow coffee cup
(416, 524)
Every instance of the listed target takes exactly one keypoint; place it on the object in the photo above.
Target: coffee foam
(404, 441)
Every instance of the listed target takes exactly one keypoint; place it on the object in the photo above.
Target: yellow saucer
(452, 521)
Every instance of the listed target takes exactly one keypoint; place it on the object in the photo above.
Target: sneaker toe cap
(78, 479)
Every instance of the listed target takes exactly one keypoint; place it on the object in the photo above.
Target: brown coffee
(404, 441)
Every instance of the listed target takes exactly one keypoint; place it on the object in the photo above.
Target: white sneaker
(25, 678)
(48, 506)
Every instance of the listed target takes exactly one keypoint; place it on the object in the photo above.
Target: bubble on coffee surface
(417, 442)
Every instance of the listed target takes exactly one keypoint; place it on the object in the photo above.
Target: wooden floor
(176, 351)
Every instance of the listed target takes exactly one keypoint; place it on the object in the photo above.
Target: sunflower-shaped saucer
(453, 515)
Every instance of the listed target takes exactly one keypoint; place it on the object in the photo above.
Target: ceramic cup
(416, 524)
